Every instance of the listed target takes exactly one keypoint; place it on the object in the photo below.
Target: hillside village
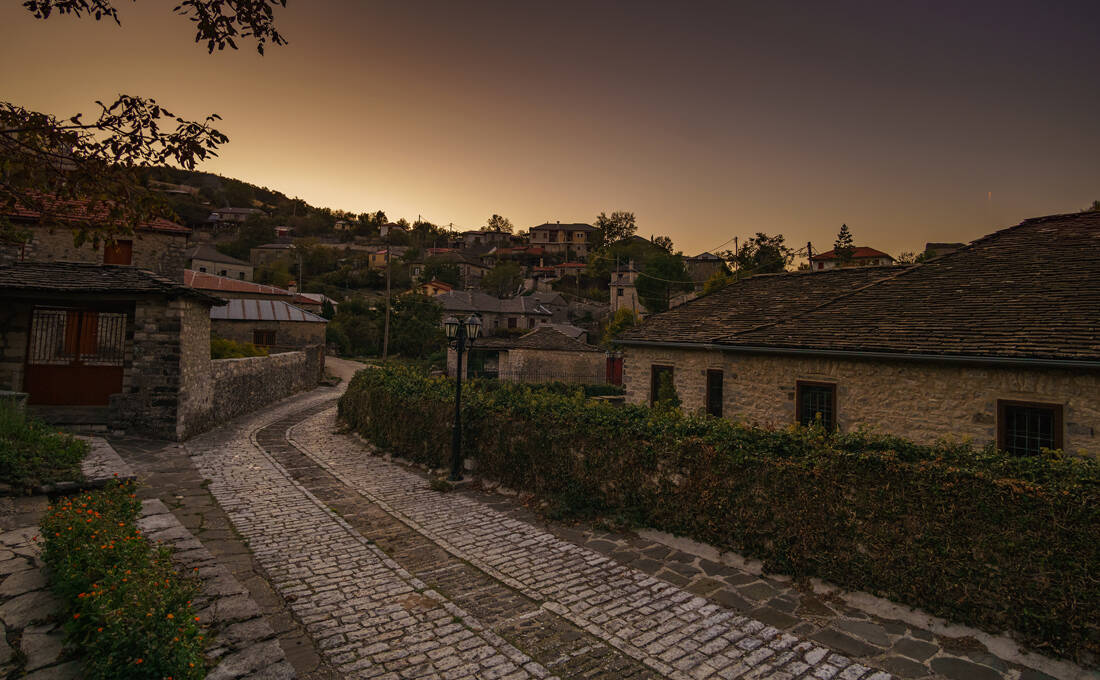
(245, 437)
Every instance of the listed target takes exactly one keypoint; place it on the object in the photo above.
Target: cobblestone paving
(369, 615)
(669, 630)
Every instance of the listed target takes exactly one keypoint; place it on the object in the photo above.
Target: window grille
(816, 400)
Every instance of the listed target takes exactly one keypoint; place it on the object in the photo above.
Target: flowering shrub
(971, 534)
(126, 607)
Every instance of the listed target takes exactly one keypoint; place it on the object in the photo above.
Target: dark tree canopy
(61, 166)
(662, 277)
(503, 280)
(498, 223)
(611, 229)
(761, 254)
(843, 248)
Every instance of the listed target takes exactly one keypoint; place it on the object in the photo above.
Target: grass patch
(126, 607)
(33, 453)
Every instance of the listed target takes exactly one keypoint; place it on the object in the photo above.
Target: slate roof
(263, 310)
(1027, 292)
(92, 279)
(473, 301)
(544, 338)
(858, 253)
(752, 302)
(205, 252)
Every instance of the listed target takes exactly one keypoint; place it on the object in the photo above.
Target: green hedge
(972, 535)
(126, 608)
(32, 453)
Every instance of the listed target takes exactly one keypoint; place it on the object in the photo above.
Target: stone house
(158, 245)
(482, 240)
(234, 215)
(543, 355)
(862, 256)
(996, 342)
(703, 266)
(270, 252)
(624, 292)
(470, 269)
(496, 314)
(569, 240)
(273, 324)
(209, 260)
(391, 228)
(126, 349)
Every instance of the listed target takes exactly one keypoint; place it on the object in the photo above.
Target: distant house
(470, 269)
(273, 324)
(344, 225)
(319, 299)
(392, 228)
(543, 355)
(996, 342)
(434, 287)
(158, 245)
(483, 239)
(862, 256)
(205, 259)
(235, 215)
(268, 253)
(703, 266)
(555, 302)
(516, 313)
(563, 239)
(569, 269)
(225, 287)
(283, 232)
(624, 292)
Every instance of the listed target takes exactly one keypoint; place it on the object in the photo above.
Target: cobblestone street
(370, 573)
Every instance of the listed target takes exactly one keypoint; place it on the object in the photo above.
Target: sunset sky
(707, 120)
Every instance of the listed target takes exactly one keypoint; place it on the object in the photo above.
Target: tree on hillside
(842, 247)
(442, 271)
(256, 231)
(502, 280)
(661, 278)
(1095, 207)
(664, 243)
(48, 160)
(614, 228)
(624, 318)
(761, 254)
(498, 223)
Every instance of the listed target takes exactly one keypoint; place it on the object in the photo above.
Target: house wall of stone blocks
(530, 365)
(237, 272)
(163, 253)
(287, 333)
(918, 400)
(15, 320)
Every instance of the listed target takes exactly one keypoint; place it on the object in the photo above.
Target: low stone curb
(241, 640)
(101, 466)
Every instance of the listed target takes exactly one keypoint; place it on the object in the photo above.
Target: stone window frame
(1058, 424)
(655, 371)
(712, 408)
(816, 383)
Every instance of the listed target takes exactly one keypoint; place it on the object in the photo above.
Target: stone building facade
(923, 401)
(543, 355)
(159, 247)
(995, 342)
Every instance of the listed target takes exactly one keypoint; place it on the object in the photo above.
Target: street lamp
(461, 336)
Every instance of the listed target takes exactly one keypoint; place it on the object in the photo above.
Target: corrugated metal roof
(262, 310)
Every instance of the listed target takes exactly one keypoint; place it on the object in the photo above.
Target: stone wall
(240, 386)
(921, 401)
(163, 253)
(287, 333)
(15, 320)
(237, 272)
(529, 365)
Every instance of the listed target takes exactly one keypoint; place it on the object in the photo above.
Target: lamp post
(461, 336)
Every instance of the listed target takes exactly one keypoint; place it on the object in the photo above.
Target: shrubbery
(223, 348)
(32, 453)
(973, 535)
(126, 608)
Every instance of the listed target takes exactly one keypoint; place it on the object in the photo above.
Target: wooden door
(74, 356)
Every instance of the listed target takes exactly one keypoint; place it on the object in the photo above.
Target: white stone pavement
(371, 618)
(671, 631)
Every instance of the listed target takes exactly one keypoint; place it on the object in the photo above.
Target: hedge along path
(368, 615)
(971, 535)
(671, 631)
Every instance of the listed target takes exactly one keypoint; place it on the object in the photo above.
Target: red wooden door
(74, 356)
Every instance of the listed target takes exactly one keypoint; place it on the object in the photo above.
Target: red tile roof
(858, 253)
(204, 281)
(73, 210)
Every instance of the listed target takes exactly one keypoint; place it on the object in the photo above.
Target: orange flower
(76, 616)
(138, 661)
(171, 616)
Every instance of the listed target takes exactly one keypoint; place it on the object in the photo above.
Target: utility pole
(386, 325)
(810, 254)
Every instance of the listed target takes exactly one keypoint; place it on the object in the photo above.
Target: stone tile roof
(544, 338)
(205, 252)
(91, 279)
(263, 310)
(575, 226)
(1031, 291)
(858, 253)
(473, 301)
(752, 302)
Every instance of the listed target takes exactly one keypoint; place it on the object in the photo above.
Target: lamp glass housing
(450, 325)
(473, 327)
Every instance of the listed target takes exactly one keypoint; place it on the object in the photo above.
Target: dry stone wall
(165, 254)
(920, 401)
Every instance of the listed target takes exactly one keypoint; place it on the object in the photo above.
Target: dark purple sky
(708, 120)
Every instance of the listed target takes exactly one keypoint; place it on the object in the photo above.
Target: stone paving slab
(370, 616)
(103, 464)
(671, 631)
